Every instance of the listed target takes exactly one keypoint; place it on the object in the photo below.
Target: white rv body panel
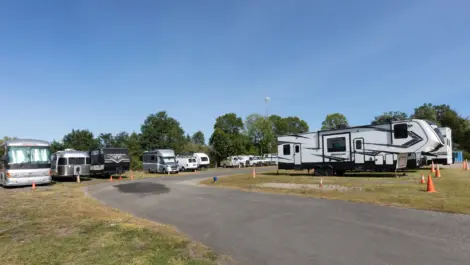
(444, 154)
(373, 147)
(202, 160)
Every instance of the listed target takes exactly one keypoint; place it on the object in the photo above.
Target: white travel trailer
(383, 147)
(25, 161)
(202, 160)
(186, 162)
(70, 163)
(109, 161)
(443, 155)
(160, 161)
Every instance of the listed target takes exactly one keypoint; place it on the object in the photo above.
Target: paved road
(258, 228)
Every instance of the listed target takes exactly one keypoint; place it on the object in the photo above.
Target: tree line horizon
(232, 135)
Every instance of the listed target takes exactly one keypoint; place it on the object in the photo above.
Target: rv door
(359, 156)
(297, 155)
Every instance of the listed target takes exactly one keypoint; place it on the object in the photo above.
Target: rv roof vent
(69, 149)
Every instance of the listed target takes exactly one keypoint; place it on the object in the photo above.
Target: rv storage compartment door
(402, 160)
(297, 155)
(337, 147)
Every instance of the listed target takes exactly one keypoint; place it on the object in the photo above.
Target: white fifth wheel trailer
(443, 155)
(381, 147)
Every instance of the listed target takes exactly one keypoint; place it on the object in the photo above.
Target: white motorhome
(25, 161)
(443, 155)
(370, 147)
(160, 161)
(202, 160)
(186, 162)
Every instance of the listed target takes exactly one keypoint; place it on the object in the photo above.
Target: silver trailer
(25, 161)
(160, 161)
(70, 163)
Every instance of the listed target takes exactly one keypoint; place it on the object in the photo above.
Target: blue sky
(106, 65)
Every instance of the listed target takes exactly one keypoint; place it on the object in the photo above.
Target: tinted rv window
(336, 144)
(62, 161)
(286, 149)
(358, 144)
(88, 161)
(297, 148)
(76, 160)
(400, 131)
(203, 158)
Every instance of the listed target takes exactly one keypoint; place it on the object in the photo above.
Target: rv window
(62, 161)
(286, 149)
(400, 131)
(204, 159)
(358, 144)
(152, 158)
(87, 161)
(336, 144)
(76, 160)
(297, 148)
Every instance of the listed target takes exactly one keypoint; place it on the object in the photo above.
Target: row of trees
(233, 135)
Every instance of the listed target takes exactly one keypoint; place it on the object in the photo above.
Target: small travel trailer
(383, 147)
(443, 155)
(24, 162)
(70, 163)
(186, 162)
(109, 161)
(160, 161)
(202, 160)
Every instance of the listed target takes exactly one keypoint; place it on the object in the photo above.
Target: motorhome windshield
(28, 155)
(436, 129)
(169, 159)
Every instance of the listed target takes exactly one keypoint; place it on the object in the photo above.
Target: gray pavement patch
(143, 188)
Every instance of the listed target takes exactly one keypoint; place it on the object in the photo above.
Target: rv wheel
(340, 173)
(150, 171)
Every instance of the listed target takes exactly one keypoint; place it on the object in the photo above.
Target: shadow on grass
(69, 179)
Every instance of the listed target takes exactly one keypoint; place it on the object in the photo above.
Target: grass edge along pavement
(453, 188)
(60, 224)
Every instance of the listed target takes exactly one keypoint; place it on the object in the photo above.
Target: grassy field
(453, 188)
(59, 224)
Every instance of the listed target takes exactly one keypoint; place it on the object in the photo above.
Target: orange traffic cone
(465, 165)
(438, 172)
(422, 179)
(432, 167)
(132, 175)
(430, 187)
(110, 178)
(321, 182)
(254, 173)
(120, 177)
(34, 186)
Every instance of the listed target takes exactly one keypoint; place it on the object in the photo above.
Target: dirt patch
(143, 188)
(293, 186)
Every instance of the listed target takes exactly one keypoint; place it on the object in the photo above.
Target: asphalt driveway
(259, 228)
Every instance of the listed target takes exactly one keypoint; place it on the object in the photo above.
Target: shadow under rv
(109, 161)
(383, 147)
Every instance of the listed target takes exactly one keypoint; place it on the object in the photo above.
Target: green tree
(232, 127)
(425, 112)
(296, 125)
(387, 117)
(82, 140)
(160, 131)
(121, 139)
(260, 131)
(135, 151)
(106, 140)
(198, 138)
(56, 146)
(334, 121)
(221, 145)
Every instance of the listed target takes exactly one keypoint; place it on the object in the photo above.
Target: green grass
(453, 188)
(58, 224)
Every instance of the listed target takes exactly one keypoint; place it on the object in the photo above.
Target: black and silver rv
(109, 161)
